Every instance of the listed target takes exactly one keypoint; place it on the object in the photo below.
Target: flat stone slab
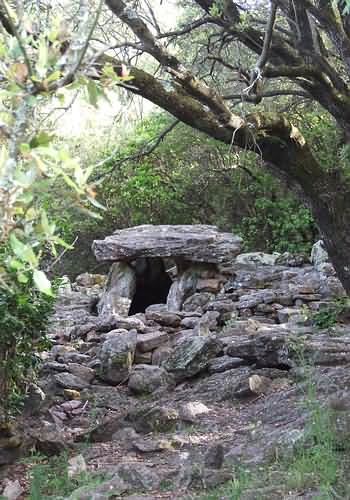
(197, 243)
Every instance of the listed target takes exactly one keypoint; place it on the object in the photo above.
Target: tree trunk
(332, 214)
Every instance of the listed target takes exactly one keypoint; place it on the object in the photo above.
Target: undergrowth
(49, 478)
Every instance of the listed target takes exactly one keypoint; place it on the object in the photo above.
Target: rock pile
(232, 327)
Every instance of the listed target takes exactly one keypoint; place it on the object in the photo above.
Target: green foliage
(329, 316)
(277, 221)
(24, 314)
(49, 478)
(191, 179)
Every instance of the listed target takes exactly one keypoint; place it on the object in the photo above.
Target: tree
(295, 48)
(301, 48)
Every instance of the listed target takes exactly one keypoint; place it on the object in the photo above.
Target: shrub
(24, 315)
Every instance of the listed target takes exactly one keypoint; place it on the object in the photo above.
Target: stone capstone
(197, 243)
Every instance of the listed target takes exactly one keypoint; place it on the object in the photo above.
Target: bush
(24, 315)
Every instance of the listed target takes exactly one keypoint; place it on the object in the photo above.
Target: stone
(117, 355)
(151, 445)
(149, 341)
(125, 436)
(143, 358)
(69, 381)
(189, 412)
(191, 356)
(108, 322)
(319, 255)
(183, 286)
(214, 457)
(224, 363)
(119, 291)
(161, 354)
(81, 371)
(266, 349)
(88, 280)
(76, 465)
(164, 318)
(196, 243)
(197, 301)
(258, 258)
(211, 285)
(189, 322)
(34, 400)
(154, 418)
(12, 491)
(145, 379)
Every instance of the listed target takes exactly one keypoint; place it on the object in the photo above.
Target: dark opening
(152, 284)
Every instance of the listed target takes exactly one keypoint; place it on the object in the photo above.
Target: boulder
(117, 355)
(81, 371)
(258, 258)
(149, 341)
(191, 356)
(196, 243)
(13, 490)
(145, 379)
(69, 381)
(224, 363)
(155, 418)
(108, 322)
(266, 349)
(164, 318)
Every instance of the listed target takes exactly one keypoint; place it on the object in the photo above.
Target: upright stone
(119, 291)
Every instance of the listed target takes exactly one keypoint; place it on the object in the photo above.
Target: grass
(49, 478)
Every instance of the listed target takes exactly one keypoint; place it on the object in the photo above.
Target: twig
(51, 266)
(262, 60)
(152, 145)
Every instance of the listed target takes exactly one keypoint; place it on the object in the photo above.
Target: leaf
(92, 93)
(24, 252)
(95, 203)
(41, 139)
(47, 228)
(16, 245)
(22, 277)
(53, 76)
(42, 283)
(26, 179)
